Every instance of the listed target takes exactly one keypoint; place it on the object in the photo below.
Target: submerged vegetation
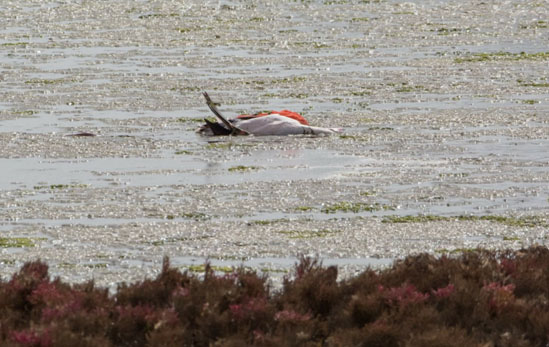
(475, 298)
(240, 168)
(307, 234)
(480, 57)
(524, 221)
(16, 242)
(355, 207)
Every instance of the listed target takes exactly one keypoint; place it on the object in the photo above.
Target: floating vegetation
(219, 145)
(194, 119)
(46, 81)
(293, 79)
(526, 221)
(268, 221)
(456, 250)
(202, 268)
(380, 128)
(298, 95)
(529, 102)
(316, 45)
(406, 88)
(536, 85)
(241, 168)
(361, 93)
(61, 186)
(355, 207)
(415, 219)
(543, 84)
(185, 30)
(540, 24)
(448, 31)
(362, 137)
(454, 175)
(16, 242)
(66, 265)
(307, 234)
(304, 208)
(183, 151)
(195, 215)
(23, 112)
(158, 15)
(228, 145)
(508, 56)
(97, 266)
(14, 44)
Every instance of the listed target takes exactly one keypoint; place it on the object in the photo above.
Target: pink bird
(261, 124)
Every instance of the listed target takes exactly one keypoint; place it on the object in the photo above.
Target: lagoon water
(445, 106)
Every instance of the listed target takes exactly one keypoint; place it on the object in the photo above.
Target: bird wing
(234, 130)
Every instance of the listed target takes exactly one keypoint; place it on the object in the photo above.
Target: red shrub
(402, 296)
(443, 292)
(30, 338)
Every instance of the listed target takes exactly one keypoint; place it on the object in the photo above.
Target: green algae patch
(60, 186)
(540, 24)
(193, 119)
(414, 219)
(538, 84)
(502, 56)
(46, 81)
(195, 215)
(16, 242)
(97, 266)
(158, 15)
(521, 222)
(361, 93)
(355, 207)
(14, 44)
(307, 234)
(228, 145)
(454, 175)
(409, 89)
(456, 250)
(202, 268)
(241, 168)
(268, 221)
(23, 112)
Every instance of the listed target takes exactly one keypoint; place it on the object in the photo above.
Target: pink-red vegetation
(480, 298)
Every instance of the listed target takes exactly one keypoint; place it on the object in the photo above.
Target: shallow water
(424, 133)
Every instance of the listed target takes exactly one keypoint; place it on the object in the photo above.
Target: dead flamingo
(261, 124)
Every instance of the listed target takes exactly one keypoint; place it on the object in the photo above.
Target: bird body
(275, 123)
